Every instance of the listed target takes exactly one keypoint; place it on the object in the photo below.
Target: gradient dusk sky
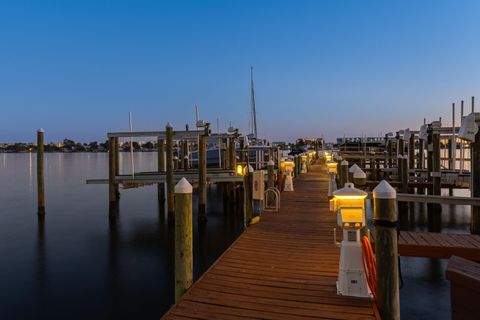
(76, 68)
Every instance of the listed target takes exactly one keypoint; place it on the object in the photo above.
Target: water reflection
(41, 260)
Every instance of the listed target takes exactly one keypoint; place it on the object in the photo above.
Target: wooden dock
(439, 245)
(285, 267)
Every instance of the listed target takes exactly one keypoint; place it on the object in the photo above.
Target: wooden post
(453, 144)
(385, 219)
(390, 152)
(434, 210)
(475, 182)
(185, 163)
(399, 168)
(404, 176)
(411, 151)
(40, 173)
(247, 194)
(343, 173)
(183, 238)
(112, 193)
(161, 169)
(169, 165)
(232, 154)
(117, 165)
(202, 178)
(271, 179)
(401, 146)
(436, 163)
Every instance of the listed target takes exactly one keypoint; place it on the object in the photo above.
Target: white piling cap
(250, 168)
(186, 157)
(183, 186)
(359, 175)
(169, 125)
(41, 130)
(270, 163)
(384, 191)
(349, 190)
(175, 158)
(354, 168)
(344, 163)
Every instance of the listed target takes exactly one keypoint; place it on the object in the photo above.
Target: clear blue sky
(333, 67)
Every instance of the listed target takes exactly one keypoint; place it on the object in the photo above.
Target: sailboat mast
(253, 111)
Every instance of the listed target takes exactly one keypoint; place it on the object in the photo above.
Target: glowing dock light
(332, 167)
(349, 203)
(240, 170)
(328, 156)
(288, 169)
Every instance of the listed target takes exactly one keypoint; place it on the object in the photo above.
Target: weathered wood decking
(285, 267)
(439, 245)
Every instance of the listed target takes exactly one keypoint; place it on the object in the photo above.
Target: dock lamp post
(349, 205)
(288, 170)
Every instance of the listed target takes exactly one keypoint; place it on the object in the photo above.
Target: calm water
(80, 264)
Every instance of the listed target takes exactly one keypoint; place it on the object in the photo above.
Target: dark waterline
(80, 264)
(77, 263)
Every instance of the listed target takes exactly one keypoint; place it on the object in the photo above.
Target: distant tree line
(71, 146)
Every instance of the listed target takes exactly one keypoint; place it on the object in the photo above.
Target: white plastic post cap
(344, 163)
(270, 163)
(354, 168)
(359, 175)
(175, 158)
(250, 168)
(41, 130)
(384, 191)
(186, 157)
(183, 186)
(169, 125)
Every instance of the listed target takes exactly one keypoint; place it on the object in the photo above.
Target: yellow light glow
(289, 164)
(350, 197)
(240, 170)
(332, 167)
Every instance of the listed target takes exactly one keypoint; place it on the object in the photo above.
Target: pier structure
(186, 154)
(284, 267)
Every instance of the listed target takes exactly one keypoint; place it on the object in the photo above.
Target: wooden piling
(183, 238)
(401, 146)
(411, 151)
(169, 165)
(343, 173)
(247, 194)
(404, 174)
(40, 173)
(475, 183)
(161, 169)
(385, 220)
(270, 180)
(232, 154)
(117, 165)
(202, 178)
(112, 193)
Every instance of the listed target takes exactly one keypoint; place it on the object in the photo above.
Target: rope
(369, 265)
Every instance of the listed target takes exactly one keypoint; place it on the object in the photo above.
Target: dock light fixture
(328, 156)
(240, 170)
(349, 204)
(332, 167)
(288, 170)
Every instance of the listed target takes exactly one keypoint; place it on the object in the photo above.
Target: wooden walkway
(439, 245)
(285, 267)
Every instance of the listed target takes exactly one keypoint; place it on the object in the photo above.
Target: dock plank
(285, 267)
(439, 245)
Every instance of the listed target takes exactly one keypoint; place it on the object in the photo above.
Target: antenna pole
(254, 112)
